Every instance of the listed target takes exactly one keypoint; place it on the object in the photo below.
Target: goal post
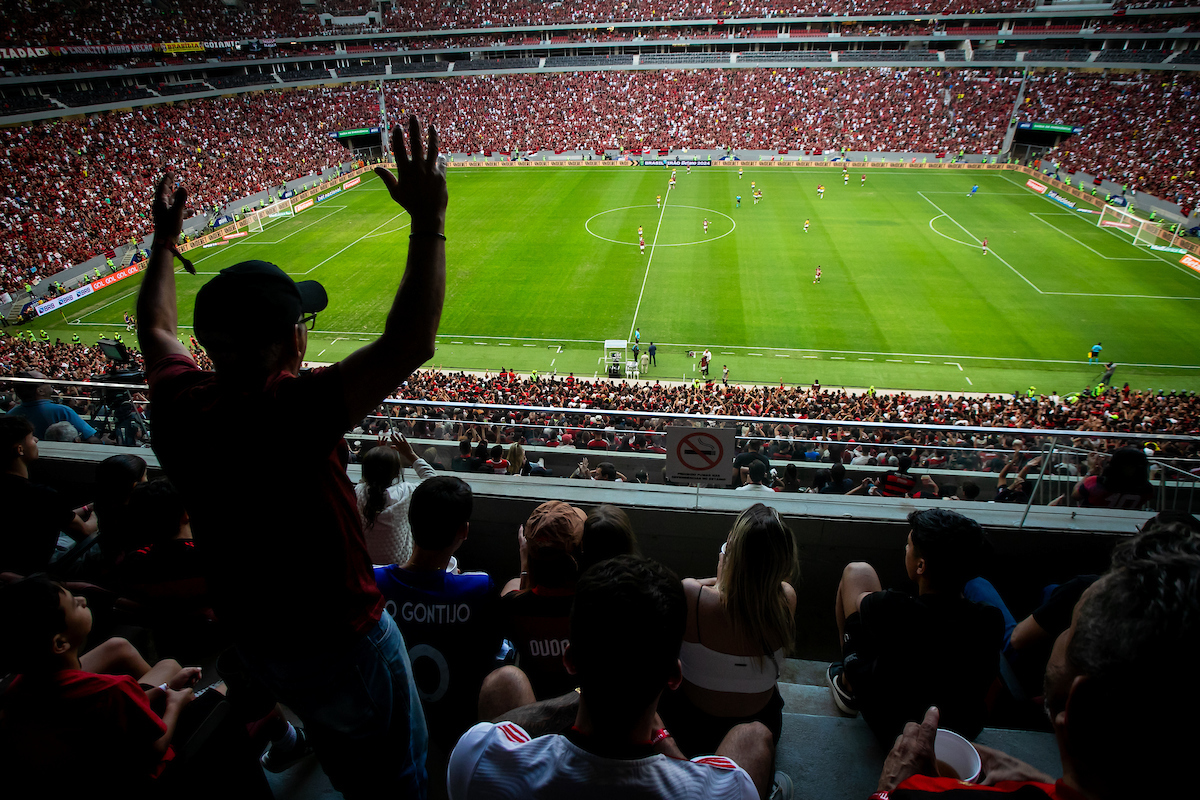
(1141, 232)
(256, 219)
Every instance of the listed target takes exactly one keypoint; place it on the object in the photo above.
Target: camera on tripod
(116, 404)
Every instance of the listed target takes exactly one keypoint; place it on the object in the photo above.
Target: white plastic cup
(955, 752)
(453, 565)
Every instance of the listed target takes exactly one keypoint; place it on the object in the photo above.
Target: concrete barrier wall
(684, 528)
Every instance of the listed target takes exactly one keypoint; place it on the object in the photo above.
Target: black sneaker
(846, 702)
(276, 759)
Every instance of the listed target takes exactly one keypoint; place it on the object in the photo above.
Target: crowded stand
(592, 417)
(91, 173)
(576, 665)
(1139, 130)
(33, 23)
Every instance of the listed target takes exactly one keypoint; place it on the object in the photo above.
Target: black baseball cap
(253, 301)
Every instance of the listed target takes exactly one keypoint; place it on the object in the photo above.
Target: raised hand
(167, 209)
(419, 185)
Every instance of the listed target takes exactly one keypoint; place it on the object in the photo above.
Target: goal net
(1142, 232)
(256, 219)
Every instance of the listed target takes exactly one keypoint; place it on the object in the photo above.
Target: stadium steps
(14, 310)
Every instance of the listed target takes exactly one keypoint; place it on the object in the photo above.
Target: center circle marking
(587, 226)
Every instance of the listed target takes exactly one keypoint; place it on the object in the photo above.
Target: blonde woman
(740, 627)
(516, 458)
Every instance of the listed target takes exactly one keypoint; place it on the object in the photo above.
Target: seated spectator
(1141, 618)
(497, 464)
(37, 407)
(742, 461)
(1018, 492)
(607, 533)
(515, 459)
(903, 653)
(535, 607)
(449, 620)
(614, 748)
(166, 568)
(898, 483)
(1124, 483)
(35, 515)
(740, 627)
(757, 479)
(61, 432)
(116, 478)
(431, 458)
(464, 461)
(63, 722)
(838, 482)
(791, 480)
(383, 498)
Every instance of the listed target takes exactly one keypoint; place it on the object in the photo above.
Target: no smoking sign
(700, 455)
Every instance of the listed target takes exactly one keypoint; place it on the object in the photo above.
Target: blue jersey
(974, 189)
(452, 633)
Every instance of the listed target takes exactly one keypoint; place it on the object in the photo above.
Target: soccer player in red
(985, 247)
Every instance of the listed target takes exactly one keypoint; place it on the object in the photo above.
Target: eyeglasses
(308, 321)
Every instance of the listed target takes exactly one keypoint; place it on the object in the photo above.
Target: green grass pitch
(543, 264)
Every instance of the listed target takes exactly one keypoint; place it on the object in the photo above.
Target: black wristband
(428, 234)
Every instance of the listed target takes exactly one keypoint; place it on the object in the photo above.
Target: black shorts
(699, 733)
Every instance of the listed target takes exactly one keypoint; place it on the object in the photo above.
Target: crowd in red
(590, 405)
(39, 23)
(74, 188)
(1140, 130)
(34, 22)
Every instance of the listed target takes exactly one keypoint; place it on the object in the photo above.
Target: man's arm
(374, 371)
(157, 308)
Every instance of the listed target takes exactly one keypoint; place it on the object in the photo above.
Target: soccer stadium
(792, 399)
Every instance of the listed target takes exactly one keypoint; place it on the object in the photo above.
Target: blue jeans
(360, 709)
(980, 590)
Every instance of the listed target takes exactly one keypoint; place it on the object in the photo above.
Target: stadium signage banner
(119, 275)
(101, 49)
(352, 184)
(306, 204)
(1040, 188)
(676, 162)
(86, 289)
(1046, 126)
(220, 45)
(1164, 249)
(1058, 198)
(327, 195)
(352, 132)
(62, 300)
(1191, 261)
(182, 47)
(23, 52)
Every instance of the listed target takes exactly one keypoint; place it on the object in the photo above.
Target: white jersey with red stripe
(502, 761)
